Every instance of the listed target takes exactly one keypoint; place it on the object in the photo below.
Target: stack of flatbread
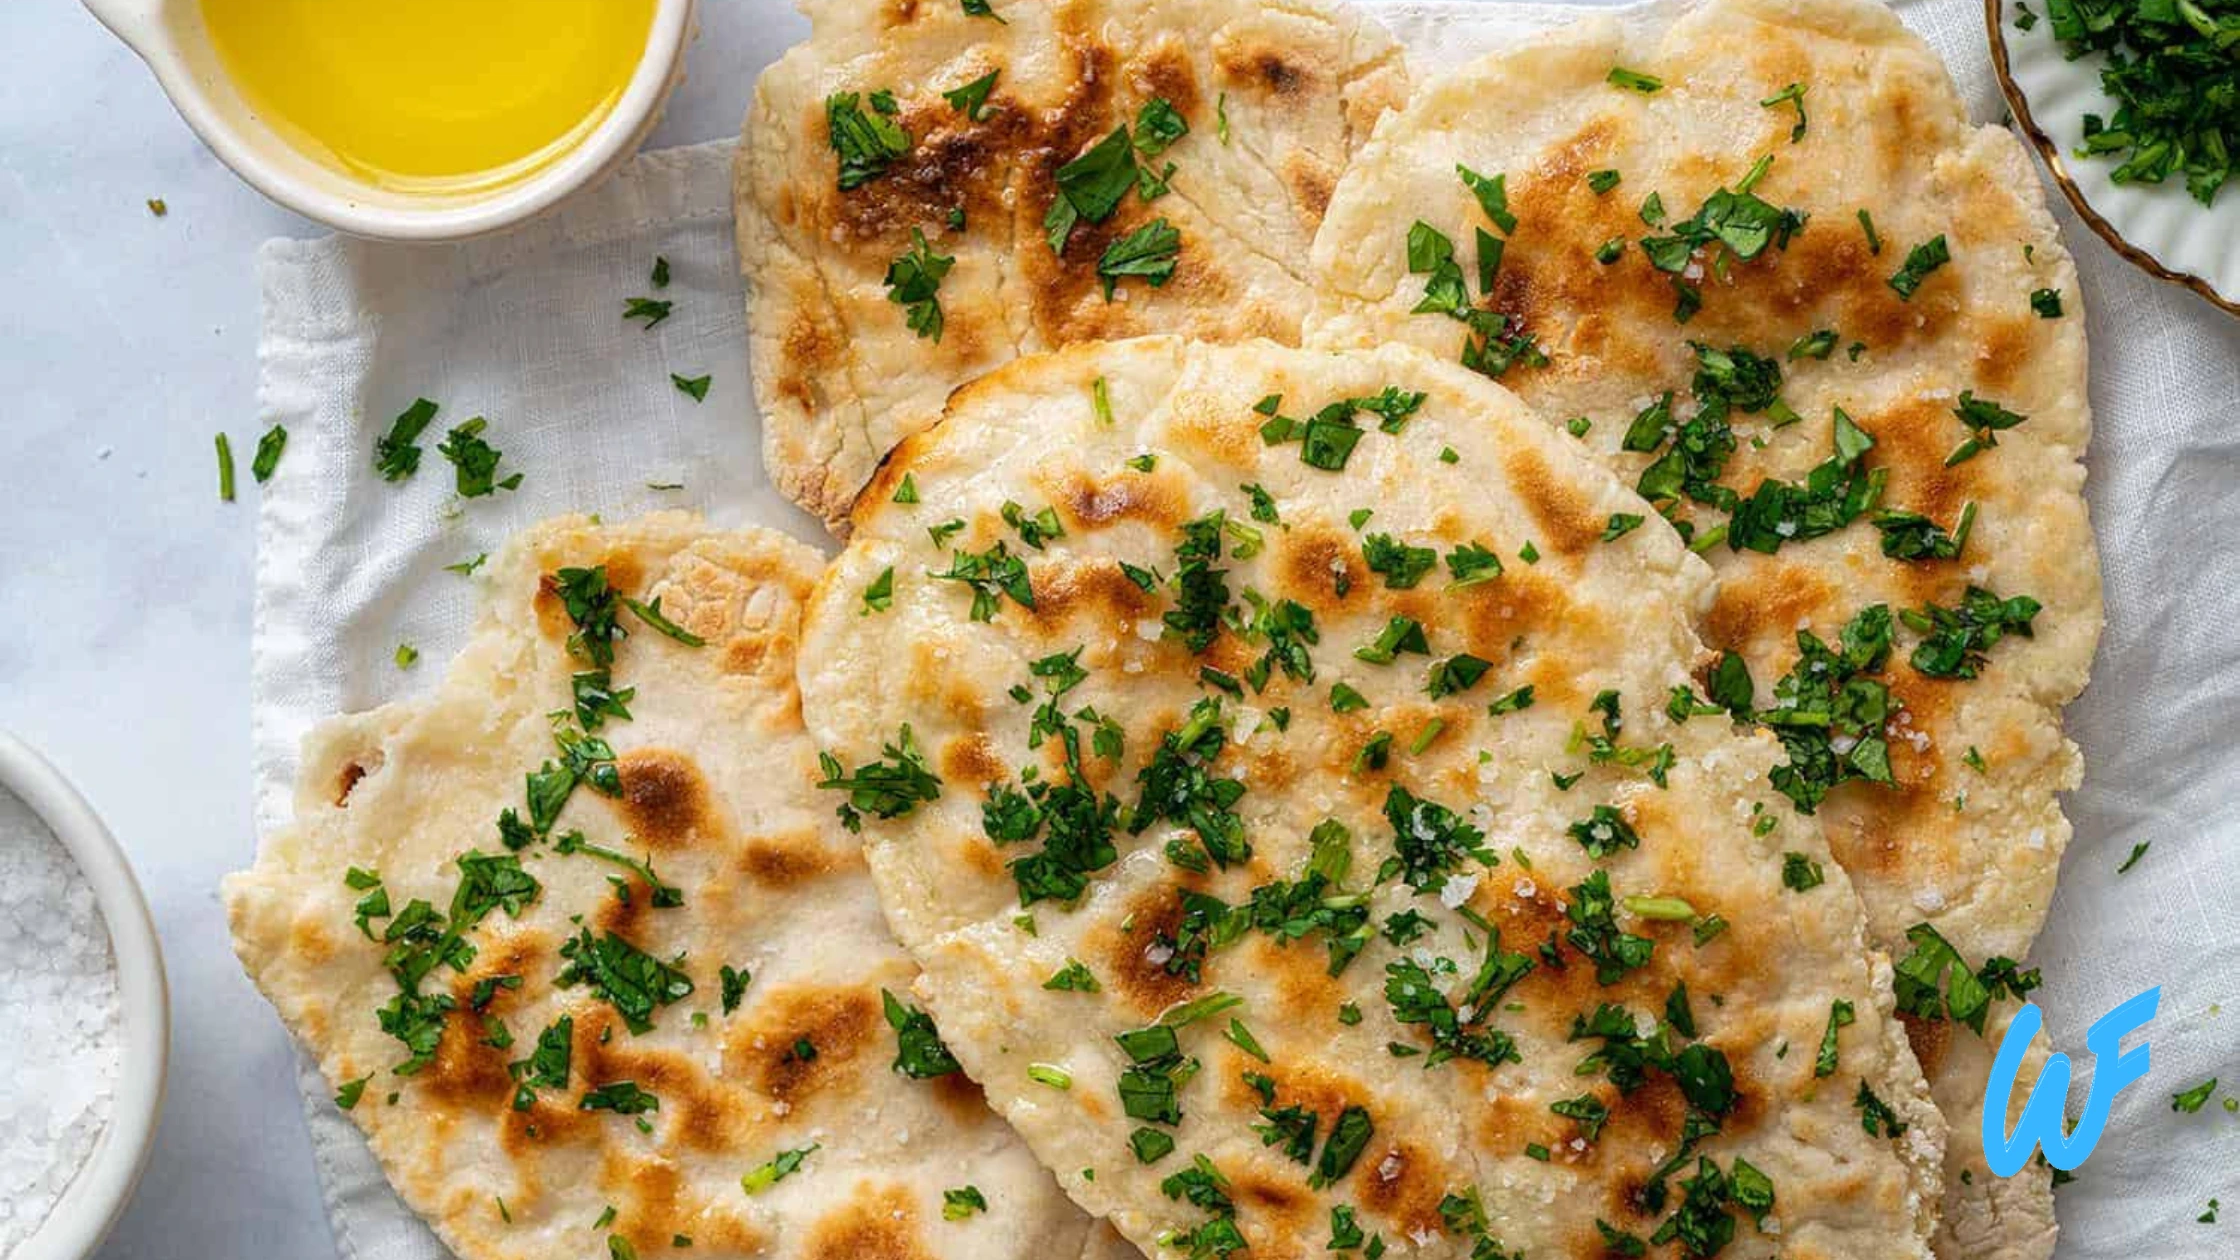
(1462, 669)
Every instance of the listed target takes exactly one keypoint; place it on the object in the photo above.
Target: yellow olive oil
(431, 96)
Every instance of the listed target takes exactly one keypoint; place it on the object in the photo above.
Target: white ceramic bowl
(94, 1200)
(2158, 227)
(170, 37)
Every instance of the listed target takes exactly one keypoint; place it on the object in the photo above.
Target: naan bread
(1276, 98)
(1445, 822)
(1968, 835)
(716, 776)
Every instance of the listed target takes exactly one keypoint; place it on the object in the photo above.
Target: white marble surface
(126, 342)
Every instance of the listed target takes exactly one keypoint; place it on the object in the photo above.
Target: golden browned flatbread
(1746, 238)
(1271, 758)
(658, 1022)
(855, 150)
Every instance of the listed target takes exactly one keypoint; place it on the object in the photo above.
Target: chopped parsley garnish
(1471, 564)
(396, 455)
(1151, 252)
(660, 274)
(623, 1098)
(663, 896)
(990, 574)
(2169, 71)
(1416, 1000)
(1911, 536)
(693, 387)
(2138, 851)
(592, 605)
(1958, 639)
(867, 143)
(1402, 566)
(785, 1165)
(475, 461)
(1733, 223)
(1934, 982)
(914, 283)
(1840, 1016)
(1493, 197)
(962, 1202)
(1401, 634)
(1490, 345)
(547, 1065)
(650, 310)
(1604, 833)
(347, 1097)
(1634, 80)
(1601, 182)
(632, 981)
(886, 789)
(1179, 787)
(1455, 675)
(1327, 439)
(1074, 977)
(269, 447)
(1430, 841)
(2192, 1100)
(2046, 302)
(735, 981)
(971, 100)
(920, 1054)
(1799, 873)
(1790, 95)
(1596, 935)
(1921, 260)
(1985, 421)
(879, 596)
(1875, 1115)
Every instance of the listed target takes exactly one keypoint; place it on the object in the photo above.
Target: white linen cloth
(527, 330)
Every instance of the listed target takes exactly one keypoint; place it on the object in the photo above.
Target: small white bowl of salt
(84, 1019)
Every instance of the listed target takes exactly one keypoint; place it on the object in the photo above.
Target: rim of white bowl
(138, 24)
(96, 1197)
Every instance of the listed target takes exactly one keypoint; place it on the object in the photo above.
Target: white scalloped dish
(2160, 227)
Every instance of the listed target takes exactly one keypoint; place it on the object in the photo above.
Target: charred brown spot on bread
(961, 1097)
(624, 573)
(1123, 945)
(1255, 64)
(1913, 440)
(837, 1026)
(971, 758)
(309, 941)
(1931, 1040)
(953, 163)
(812, 347)
(665, 800)
(467, 1071)
(1089, 504)
(1313, 561)
(1086, 589)
(1403, 1184)
(872, 1223)
(788, 860)
(1499, 618)
(2005, 349)
(1300, 974)
(1566, 520)
(1312, 182)
(1164, 71)
(1765, 602)
(347, 782)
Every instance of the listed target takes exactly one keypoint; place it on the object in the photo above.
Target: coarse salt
(61, 1030)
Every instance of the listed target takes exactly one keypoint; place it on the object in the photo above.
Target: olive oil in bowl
(443, 98)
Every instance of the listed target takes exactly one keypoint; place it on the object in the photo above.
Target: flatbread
(1477, 815)
(715, 777)
(1968, 837)
(1276, 98)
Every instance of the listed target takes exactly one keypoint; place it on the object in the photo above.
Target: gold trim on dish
(1994, 19)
